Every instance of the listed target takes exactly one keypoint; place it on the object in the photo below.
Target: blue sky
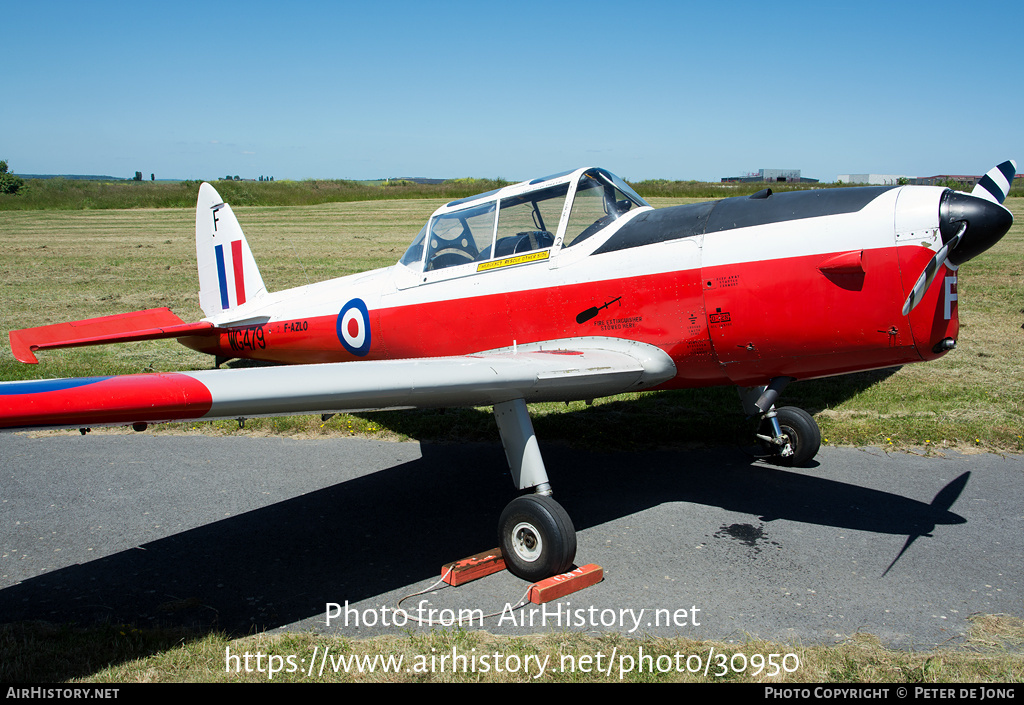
(362, 90)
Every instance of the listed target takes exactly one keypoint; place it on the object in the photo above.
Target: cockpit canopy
(530, 219)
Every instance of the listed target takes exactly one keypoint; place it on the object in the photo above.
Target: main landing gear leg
(535, 533)
(787, 435)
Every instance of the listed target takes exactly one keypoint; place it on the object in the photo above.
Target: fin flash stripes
(237, 271)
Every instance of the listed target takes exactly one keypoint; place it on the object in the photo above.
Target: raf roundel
(354, 327)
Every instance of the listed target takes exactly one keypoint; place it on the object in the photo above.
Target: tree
(9, 183)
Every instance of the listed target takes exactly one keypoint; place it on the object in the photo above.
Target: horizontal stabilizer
(151, 324)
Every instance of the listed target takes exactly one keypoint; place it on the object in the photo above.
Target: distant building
(872, 179)
(771, 175)
(967, 181)
(941, 180)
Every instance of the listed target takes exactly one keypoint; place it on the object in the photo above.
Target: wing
(564, 370)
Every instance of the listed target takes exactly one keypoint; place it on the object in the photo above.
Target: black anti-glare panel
(743, 212)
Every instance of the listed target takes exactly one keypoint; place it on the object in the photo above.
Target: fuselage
(737, 291)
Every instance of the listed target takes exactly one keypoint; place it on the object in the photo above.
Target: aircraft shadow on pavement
(704, 415)
(282, 563)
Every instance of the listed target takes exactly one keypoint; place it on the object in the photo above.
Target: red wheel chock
(489, 562)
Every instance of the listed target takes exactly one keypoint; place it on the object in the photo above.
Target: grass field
(64, 265)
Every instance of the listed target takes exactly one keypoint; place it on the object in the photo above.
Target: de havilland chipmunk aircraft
(567, 287)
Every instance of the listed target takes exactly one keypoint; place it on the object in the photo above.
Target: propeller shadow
(941, 504)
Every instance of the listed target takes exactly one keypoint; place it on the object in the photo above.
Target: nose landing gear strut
(788, 435)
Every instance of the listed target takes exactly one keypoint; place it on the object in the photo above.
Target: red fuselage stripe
(737, 323)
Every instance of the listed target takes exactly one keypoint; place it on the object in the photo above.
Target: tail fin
(228, 275)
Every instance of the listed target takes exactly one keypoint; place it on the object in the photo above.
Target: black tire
(802, 431)
(537, 537)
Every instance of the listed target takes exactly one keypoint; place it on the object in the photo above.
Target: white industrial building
(872, 179)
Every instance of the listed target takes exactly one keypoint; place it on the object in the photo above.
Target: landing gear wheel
(799, 429)
(537, 537)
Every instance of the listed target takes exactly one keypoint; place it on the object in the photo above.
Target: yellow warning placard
(509, 261)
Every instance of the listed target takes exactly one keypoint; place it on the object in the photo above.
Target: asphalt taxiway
(245, 533)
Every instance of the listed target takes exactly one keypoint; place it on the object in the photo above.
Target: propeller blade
(928, 275)
(969, 224)
(994, 185)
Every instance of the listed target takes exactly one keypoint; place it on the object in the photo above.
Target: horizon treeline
(81, 194)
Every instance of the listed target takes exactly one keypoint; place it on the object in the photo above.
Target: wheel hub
(526, 542)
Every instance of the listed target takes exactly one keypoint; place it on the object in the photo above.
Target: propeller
(969, 224)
